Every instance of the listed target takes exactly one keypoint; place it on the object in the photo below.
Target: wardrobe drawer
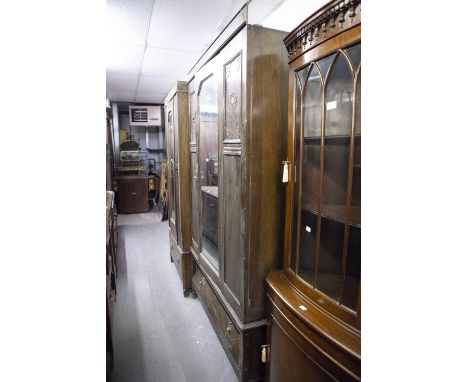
(224, 327)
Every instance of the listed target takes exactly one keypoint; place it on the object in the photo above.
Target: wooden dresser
(314, 331)
(176, 114)
(133, 192)
(238, 135)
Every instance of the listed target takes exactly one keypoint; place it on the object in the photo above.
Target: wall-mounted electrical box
(145, 115)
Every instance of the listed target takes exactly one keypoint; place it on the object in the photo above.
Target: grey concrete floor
(158, 334)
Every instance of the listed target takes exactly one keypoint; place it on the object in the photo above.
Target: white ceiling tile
(121, 83)
(128, 21)
(124, 59)
(196, 20)
(258, 11)
(121, 96)
(155, 84)
(167, 63)
(286, 17)
(150, 97)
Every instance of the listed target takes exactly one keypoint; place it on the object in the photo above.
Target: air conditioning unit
(145, 115)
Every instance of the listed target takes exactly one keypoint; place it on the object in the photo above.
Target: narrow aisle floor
(158, 334)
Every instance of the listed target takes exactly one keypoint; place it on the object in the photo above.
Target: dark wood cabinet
(238, 135)
(177, 131)
(314, 301)
(132, 193)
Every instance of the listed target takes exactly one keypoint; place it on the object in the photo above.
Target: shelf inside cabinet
(335, 139)
(333, 212)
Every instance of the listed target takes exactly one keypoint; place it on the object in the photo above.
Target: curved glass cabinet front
(326, 235)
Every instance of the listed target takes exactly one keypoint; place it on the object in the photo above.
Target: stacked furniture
(238, 135)
(176, 114)
(314, 309)
(134, 182)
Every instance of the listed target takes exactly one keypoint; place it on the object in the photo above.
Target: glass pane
(313, 105)
(338, 117)
(310, 174)
(324, 64)
(301, 74)
(297, 143)
(312, 136)
(355, 210)
(353, 269)
(307, 248)
(358, 106)
(354, 53)
(208, 168)
(172, 164)
(338, 102)
(353, 260)
(330, 257)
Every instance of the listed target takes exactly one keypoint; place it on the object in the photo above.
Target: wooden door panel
(126, 205)
(140, 196)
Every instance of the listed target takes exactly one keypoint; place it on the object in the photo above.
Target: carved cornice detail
(331, 20)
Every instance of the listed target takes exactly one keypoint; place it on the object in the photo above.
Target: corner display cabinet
(238, 117)
(314, 302)
(176, 114)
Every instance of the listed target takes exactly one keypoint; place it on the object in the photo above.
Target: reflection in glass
(330, 257)
(324, 64)
(338, 118)
(354, 53)
(355, 210)
(310, 174)
(353, 269)
(301, 75)
(208, 168)
(307, 246)
(335, 269)
(312, 135)
(297, 145)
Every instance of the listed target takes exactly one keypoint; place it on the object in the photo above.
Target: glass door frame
(347, 38)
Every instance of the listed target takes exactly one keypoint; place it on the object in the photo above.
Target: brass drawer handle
(229, 327)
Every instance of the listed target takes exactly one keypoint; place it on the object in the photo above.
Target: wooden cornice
(330, 20)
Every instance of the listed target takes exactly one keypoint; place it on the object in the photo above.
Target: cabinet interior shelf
(332, 212)
(337, 138)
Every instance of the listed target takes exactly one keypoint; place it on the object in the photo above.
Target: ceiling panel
(121, 96)
(159, 62)
(159, 41)
(128, 21)
(150, 97)
(196, 20)
(285, 17)
(124, 59)
(155, 84)
(121, 83)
